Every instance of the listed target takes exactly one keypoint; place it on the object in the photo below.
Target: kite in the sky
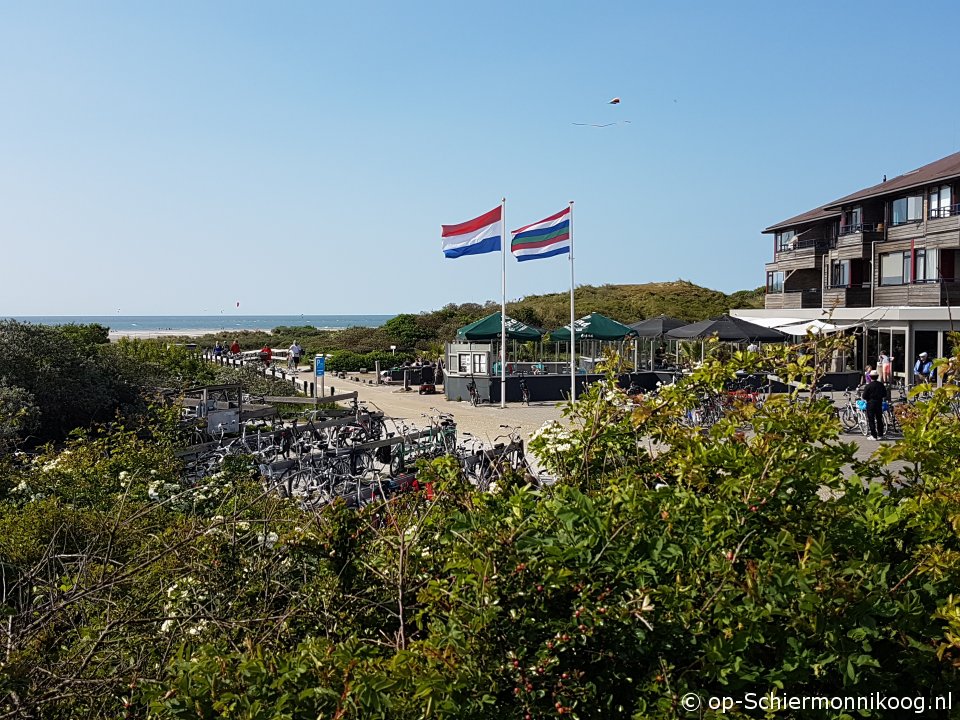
(615, 101)
(238, 303)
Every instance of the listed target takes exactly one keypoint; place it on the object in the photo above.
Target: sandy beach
(162, 333)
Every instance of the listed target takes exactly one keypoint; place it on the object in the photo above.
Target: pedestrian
(235, 348)
(293, 360)
(885, 366)
(923, 368)
(874, 394)
(866, 374)
(217, 350)
(266, 354)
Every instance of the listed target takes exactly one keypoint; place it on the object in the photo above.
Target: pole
(573, 361)
(503, 303)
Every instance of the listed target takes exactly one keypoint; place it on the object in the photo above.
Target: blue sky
(179, 157)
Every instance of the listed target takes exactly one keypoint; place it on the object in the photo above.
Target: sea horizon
(121, 324)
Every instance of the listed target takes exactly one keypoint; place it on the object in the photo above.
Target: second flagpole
(573, 354)
(503, 304)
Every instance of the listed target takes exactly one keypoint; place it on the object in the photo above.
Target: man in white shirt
(293, 358)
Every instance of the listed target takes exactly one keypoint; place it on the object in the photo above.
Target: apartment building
(883, 262)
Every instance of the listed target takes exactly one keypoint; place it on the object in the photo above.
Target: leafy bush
(666, 560)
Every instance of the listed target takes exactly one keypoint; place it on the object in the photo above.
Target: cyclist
(524, 391)
(474, 394)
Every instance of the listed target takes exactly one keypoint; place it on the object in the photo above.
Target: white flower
(268, 540)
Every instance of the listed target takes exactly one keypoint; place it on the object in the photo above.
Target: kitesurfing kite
(615, 101)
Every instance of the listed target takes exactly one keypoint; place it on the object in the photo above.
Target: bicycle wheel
(848, 417)
(481, 475)
(300, 483)
(862, 423)
(361, 462)
(396, 462)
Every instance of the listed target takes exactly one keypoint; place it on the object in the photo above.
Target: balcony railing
(944, 212)
(860, 228)
(850, 286)
(817, 244)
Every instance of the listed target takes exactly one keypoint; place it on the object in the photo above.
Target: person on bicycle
(524, 391)
(874, 394)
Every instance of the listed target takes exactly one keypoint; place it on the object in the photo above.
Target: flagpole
(573, 354)
(503, 303)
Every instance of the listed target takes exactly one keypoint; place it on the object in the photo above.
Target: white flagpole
(503, 303)
(573, 354)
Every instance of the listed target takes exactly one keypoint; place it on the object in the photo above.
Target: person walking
(235, 348)
(923, 368)
(874, 394)
(266, 354)
(293, 359)
(866, 374)
(217, 350)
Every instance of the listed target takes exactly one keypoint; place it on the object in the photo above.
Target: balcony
(847, 296)
(853, 240)
(802, 254)
(793, 299)
(920, 294)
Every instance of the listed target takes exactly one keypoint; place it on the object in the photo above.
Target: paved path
(483, 422)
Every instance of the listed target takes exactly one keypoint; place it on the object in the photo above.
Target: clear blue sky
(178, 157)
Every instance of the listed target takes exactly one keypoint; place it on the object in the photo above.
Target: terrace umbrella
(653, 328)
(488, 328)
(593, 327)
(727, 329)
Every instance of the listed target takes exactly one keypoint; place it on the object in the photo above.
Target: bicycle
(524, 392)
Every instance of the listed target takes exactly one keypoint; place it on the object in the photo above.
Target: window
(926, 265)
(775, 282)
(895, 268)
(854, 221)
(479, 363)
(840, 273)
(940, 201)
(463, 363)
(785, 240)
(907, 209)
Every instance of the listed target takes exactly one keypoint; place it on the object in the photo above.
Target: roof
(807, 217)
(942, 169)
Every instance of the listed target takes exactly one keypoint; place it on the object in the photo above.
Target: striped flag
(474, 237)
(543, 239)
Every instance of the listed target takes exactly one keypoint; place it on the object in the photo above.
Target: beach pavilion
(474, 356)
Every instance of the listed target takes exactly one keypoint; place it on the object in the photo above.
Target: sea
(192, 324)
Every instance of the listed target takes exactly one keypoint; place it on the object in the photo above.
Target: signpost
(319, 366)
